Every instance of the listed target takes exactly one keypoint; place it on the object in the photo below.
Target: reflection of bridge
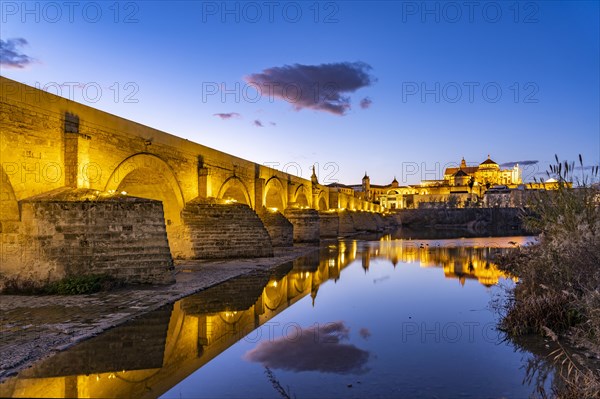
(71, 175)
(200, 327)
(148, 356)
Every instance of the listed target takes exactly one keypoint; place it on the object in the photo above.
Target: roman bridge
(84, 187)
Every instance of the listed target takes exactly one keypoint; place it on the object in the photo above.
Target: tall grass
(559, 278)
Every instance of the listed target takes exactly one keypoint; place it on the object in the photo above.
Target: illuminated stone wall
(223, 231)
(60, 236)
(346, 223)
(329, 224)
(306, 224)
(279, 228)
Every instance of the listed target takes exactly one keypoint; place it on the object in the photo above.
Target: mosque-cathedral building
(486, 183)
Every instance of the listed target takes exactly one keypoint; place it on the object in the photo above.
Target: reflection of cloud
(312, 349)
(320, 87)
(521, 163)
(366, 103)
(258, 123)
(364, 333)
(10, 56)
(380, 279)
(227, 115)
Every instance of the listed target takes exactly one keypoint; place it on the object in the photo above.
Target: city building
(484, 184)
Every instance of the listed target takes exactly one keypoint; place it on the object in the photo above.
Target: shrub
(559, 277)
(81, 285)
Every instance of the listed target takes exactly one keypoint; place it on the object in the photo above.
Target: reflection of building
(147, 357)
(458, 262)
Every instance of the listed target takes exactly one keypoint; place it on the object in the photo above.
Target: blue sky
(516, 80)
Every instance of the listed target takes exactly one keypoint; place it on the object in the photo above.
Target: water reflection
(148, 356)
(316, 348)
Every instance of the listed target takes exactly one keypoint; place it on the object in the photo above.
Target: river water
(360, 318)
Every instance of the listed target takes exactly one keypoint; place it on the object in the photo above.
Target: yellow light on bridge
(273, 209)
(123, 192)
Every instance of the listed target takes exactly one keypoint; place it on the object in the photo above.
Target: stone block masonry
(329, 224)
(306, 224)
(279, 228)
(346, 225)
(73, 232)
(216, 231)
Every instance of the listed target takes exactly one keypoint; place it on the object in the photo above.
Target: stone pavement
(35, 327)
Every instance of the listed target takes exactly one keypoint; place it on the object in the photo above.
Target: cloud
(364, 333)
(521, 163)
(273, 123)
(258, 123)
(10, 56)
(366, 103)
(312, 349)
(319, 87)
(227, 115)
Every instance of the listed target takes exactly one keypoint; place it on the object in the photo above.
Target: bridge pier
(329, 224)
(214, 229)
(279, 228)
(75, 232)
(306, 224)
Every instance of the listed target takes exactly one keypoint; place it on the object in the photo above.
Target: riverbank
(35, 327)
(557, 295)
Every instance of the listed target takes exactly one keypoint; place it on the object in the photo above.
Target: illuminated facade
(487, 173)
(460, 186)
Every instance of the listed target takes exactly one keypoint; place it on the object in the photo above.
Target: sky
(395, 89)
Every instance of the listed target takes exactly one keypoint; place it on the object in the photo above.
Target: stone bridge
(85, 191)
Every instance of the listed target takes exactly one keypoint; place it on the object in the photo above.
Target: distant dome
(488, 163)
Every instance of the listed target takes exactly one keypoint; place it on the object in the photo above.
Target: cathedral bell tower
(366, 186)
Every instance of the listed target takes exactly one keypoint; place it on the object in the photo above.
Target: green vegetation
(77, 285)
(559, 289)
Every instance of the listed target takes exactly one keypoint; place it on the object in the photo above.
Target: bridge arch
(275, 294)
(148, 176)
(274, 194)
(9, 207)
(235, 189)
(322, 201)
(301, 196)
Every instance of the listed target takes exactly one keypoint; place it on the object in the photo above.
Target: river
(379, 317)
